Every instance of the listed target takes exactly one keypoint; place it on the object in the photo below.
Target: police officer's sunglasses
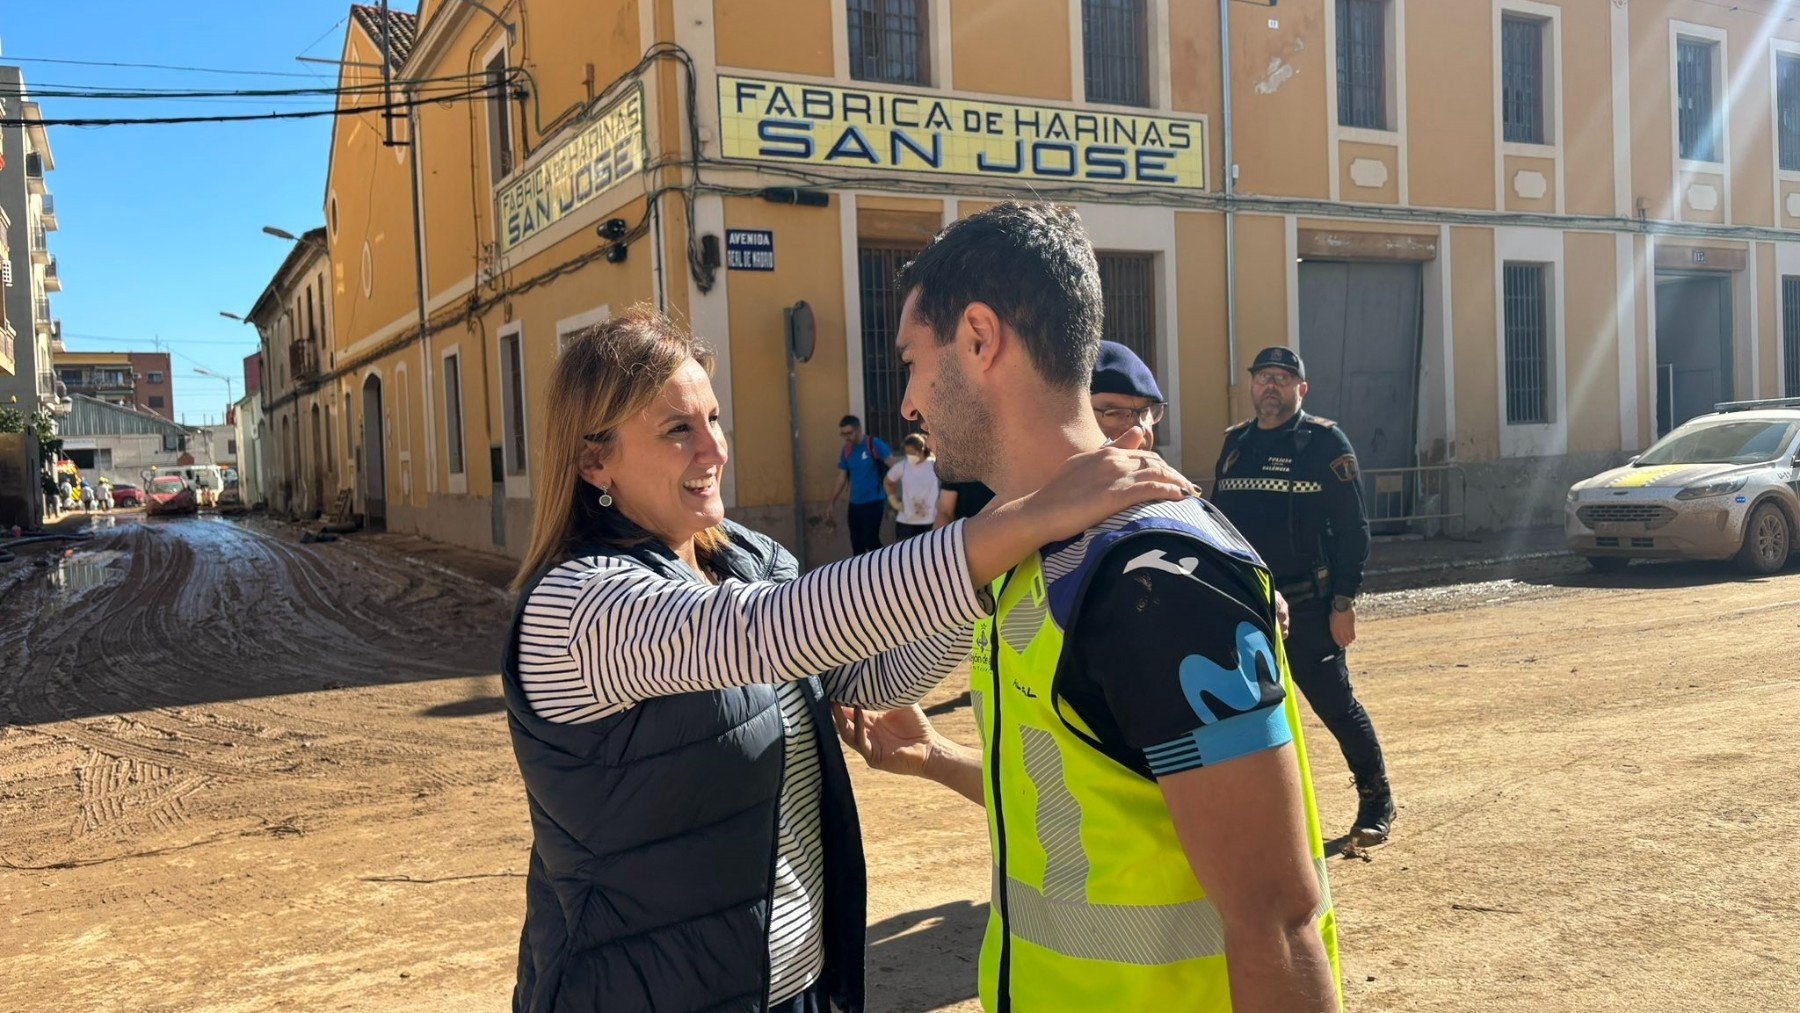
(1149, 415)
(1274, 378)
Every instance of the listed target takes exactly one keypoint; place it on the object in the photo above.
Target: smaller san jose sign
(609, 150)
(749, 250)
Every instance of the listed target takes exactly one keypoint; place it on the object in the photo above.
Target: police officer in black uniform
(1287, 480)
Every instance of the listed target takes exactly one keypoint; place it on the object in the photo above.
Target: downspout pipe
(1229, 189)
(419, 276)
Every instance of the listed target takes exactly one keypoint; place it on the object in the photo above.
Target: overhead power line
(251, 339)
(98, 92)
(156, 66)
(124, 121)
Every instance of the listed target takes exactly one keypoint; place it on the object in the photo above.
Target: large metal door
(1359, 335)
(1693, 346)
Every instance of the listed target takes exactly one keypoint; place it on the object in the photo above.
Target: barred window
(1128, 287)
(1362, 63)
(887, 40)
(1114, 41)
(1522, 79)
(1787, 109)
(1790, 336)
(1527, 326)
(884, 376)
(1699, 117)
(1128, 290)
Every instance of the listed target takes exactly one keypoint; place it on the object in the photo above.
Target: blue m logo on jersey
(1239, 688)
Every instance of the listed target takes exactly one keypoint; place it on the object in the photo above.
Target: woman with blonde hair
(695, 843)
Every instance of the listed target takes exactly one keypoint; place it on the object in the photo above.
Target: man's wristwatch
(1343, 602)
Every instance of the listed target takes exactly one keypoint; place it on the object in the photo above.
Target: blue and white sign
(749, 250)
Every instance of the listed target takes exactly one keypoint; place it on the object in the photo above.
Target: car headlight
(1574, 494)
(1720, 488)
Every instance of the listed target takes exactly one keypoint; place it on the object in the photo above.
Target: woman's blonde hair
(607, 374)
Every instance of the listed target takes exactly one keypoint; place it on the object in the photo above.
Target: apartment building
(29, 334)
(139, 379)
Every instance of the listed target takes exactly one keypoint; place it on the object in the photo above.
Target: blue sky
(161, 226)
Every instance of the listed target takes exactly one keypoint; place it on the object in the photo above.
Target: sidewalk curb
(1467, 564)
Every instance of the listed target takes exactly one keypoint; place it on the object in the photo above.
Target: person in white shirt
(914, 479)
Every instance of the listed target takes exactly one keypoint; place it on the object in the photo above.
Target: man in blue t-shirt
(862, 462)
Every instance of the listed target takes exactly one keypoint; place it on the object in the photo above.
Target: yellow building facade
(1515, 240)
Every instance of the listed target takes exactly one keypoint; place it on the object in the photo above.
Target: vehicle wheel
(1766, 541)
(1608, 564)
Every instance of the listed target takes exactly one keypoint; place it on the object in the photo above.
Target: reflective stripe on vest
(1125, 934)
(1095, 904)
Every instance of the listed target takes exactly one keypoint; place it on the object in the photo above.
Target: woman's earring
(605, 498)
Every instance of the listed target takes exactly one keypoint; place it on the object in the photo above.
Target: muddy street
(215, 740)
(242, 773)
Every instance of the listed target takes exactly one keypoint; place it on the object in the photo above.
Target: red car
(127, 495)
(168, 494)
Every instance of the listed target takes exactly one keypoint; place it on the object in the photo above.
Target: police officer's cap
(1118, 370)
(1282, 356)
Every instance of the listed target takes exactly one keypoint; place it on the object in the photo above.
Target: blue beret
(1118, 370)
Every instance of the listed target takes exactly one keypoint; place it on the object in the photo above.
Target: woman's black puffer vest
(654, 839)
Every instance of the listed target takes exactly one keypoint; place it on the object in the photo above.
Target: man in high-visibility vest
(1155, 843)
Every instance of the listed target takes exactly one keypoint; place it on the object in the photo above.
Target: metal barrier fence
(1399, 500)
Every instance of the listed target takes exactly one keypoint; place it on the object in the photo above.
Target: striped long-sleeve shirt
(880, 630)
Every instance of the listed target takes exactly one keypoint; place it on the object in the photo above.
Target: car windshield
(167, 483)
(1745, 441)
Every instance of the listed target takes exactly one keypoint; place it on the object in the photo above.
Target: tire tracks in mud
(221, 674)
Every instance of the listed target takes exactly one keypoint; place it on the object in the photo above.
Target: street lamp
(289, 236)
(230, 391)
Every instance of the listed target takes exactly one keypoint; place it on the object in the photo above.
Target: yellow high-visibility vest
(1095, 906)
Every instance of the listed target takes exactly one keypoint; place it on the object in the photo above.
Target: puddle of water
(74, 576)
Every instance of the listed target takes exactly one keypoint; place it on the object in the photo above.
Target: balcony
(303, 360)
(40, 247)
(40, 308)
(47, 215)
(101, 383)
(49, 328)
(34, 173)
(52, 281)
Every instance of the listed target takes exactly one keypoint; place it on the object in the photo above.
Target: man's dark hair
(1032, 264)
(849, 420)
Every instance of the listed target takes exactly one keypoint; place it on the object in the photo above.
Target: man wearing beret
(1288, 481)
(1124, 394)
